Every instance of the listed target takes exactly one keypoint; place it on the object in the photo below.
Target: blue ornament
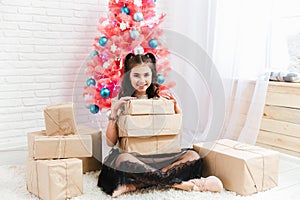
(103, 40)
(160, 79)
(154, 1)
(125, 10)
(90, 81)
(134, 34)
(93, 54)
(153, 43)
(138, 16)
(94, 109)
(105, 93)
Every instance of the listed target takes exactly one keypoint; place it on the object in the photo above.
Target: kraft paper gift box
(149, 125)
(60, 119)
(41, 146)
(55, 179)
(149, 106)
(152, 145)
(92, 163)
(244, 169)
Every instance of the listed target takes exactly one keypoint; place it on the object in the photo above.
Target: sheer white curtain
(236, 36)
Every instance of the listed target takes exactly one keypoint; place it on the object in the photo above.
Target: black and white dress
(112, 176)
(137, 174)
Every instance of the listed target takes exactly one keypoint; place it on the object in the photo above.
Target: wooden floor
(289, 178)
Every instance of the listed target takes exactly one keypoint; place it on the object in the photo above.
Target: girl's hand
(169, 96)
(118, 104)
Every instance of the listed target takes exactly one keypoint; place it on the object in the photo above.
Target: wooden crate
(280, 126)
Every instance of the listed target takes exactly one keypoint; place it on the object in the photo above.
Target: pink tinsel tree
(131, 26)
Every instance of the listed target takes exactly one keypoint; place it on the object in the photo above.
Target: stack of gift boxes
(59, 155)
(150, 127)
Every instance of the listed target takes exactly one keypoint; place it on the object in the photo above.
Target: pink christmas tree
(132, 26)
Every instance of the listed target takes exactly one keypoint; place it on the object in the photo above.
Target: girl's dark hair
(130, 62)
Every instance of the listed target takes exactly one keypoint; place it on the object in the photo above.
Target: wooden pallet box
(280, 125)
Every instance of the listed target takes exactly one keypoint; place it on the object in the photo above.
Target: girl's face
(140, 77)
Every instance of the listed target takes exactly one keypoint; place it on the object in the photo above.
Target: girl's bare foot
(121, 189)
(211, 183)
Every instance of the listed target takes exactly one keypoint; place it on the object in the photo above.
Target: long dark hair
(130, 62)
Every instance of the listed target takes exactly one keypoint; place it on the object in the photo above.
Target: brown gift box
(243, 168)
(92, 163)
(55, 179)
(149, 106)
(149, 125)
(60, 119)
(152, 145)
(41, 146)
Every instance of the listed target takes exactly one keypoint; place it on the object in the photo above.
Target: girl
(124, 172)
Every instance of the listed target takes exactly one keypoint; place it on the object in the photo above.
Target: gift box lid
(233, 148)
(148, 106)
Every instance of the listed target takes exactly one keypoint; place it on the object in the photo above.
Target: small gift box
(60, 119)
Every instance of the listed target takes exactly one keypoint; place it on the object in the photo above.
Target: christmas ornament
(103, 40)
(138, 50)
(105, 65)
(90, 82)
(160, 79)
(125, 10)
(94, 109)
(123, 26)
(153, 43)
(134, 34)
(113, 48)
(138, 16)
(105, 93)
(93, 54)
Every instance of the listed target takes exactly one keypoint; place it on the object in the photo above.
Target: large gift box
(55, 179)
(149, 125)
(149, 106)
(41, 146)
(92, 163)
(151, 145)
(60, 119)
(243, 168)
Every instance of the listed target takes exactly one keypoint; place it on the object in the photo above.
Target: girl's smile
(140, 77)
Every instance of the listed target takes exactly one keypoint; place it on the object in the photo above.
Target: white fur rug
(13, 187)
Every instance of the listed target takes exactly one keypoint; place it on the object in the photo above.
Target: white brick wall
(43, 44)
